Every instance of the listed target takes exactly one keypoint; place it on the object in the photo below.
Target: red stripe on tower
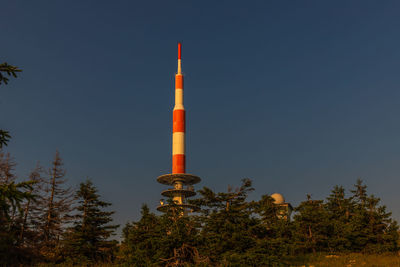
(178, 127)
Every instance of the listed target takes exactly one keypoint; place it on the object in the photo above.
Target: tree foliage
(88, 240)
(56, 204)
(232, 231)
(40, 222)
(6, 71)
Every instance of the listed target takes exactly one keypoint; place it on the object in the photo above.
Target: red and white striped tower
(178, 118)
(178, 178)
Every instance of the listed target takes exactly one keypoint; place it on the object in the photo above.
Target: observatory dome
(278, 198)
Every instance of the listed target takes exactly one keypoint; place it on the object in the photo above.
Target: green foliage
(4, 138)
(227, 223)
(88, 240)
(141, 243)
(311, 224)
(229, 230)
(353, 224)
(9, 70)
(169, 239)
(11, 197)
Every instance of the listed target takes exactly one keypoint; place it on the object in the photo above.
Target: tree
(7, 168)
(373, 229)
(311, 226)
(273, 233)
(4, 138)
(57, 204)
(10, 71)
(142, 240)
(11, 197)
(30, 219)
(167, 240)
(340, 211)
(88, 239)
(228, 227)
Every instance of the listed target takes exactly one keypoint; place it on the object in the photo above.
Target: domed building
(284, 208)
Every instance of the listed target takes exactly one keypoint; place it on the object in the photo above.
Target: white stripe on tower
(178, 127)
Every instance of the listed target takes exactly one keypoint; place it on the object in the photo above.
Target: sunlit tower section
(181, 182)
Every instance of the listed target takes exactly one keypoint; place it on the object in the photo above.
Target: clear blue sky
(297, 95)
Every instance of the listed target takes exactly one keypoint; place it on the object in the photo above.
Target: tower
(181, 182)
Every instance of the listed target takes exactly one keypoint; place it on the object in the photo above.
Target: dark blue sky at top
(297, 95)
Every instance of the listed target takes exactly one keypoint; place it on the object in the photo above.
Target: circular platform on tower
(165, 207)
(184, 178)
(174, 192)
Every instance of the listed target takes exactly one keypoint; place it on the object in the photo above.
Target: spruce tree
(88, 239)
(142, 240)
(227, 224)
(311, 226)
(373, 229)
(273, 233)
(6, 70)
(12, 196)
(340, 213)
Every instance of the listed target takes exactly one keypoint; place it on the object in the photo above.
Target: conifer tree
(227, 224)
(6, 70)
(88, 239)
(30, 219)
(7, 168)
(373, 229)
(340, 211)
(11, 197)
(179, 244)
(142, 242)
(57, 204)
(273, 233)
(311, 226)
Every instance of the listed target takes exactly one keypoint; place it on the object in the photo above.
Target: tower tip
(179, 51)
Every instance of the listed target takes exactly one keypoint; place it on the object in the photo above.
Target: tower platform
(178, 193)
(184, 178)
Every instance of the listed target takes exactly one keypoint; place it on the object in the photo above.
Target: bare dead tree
(33, 208)
(58, 204)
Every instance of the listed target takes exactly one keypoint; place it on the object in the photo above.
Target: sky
(298, 96)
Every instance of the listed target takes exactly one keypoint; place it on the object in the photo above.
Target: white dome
(278, 198)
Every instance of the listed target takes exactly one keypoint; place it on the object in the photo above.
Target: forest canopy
(43, 221)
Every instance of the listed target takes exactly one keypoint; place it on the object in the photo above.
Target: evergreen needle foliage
(9, 70)
(88, 240)
(45, 223)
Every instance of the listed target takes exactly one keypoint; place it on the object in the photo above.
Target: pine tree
(179, 243)
(227, 225)
(373, 229)
(10, 71)
(273, 233)
(12, 196)
(142, 240)
(88, 239)
(311, 226)
(340, 211)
